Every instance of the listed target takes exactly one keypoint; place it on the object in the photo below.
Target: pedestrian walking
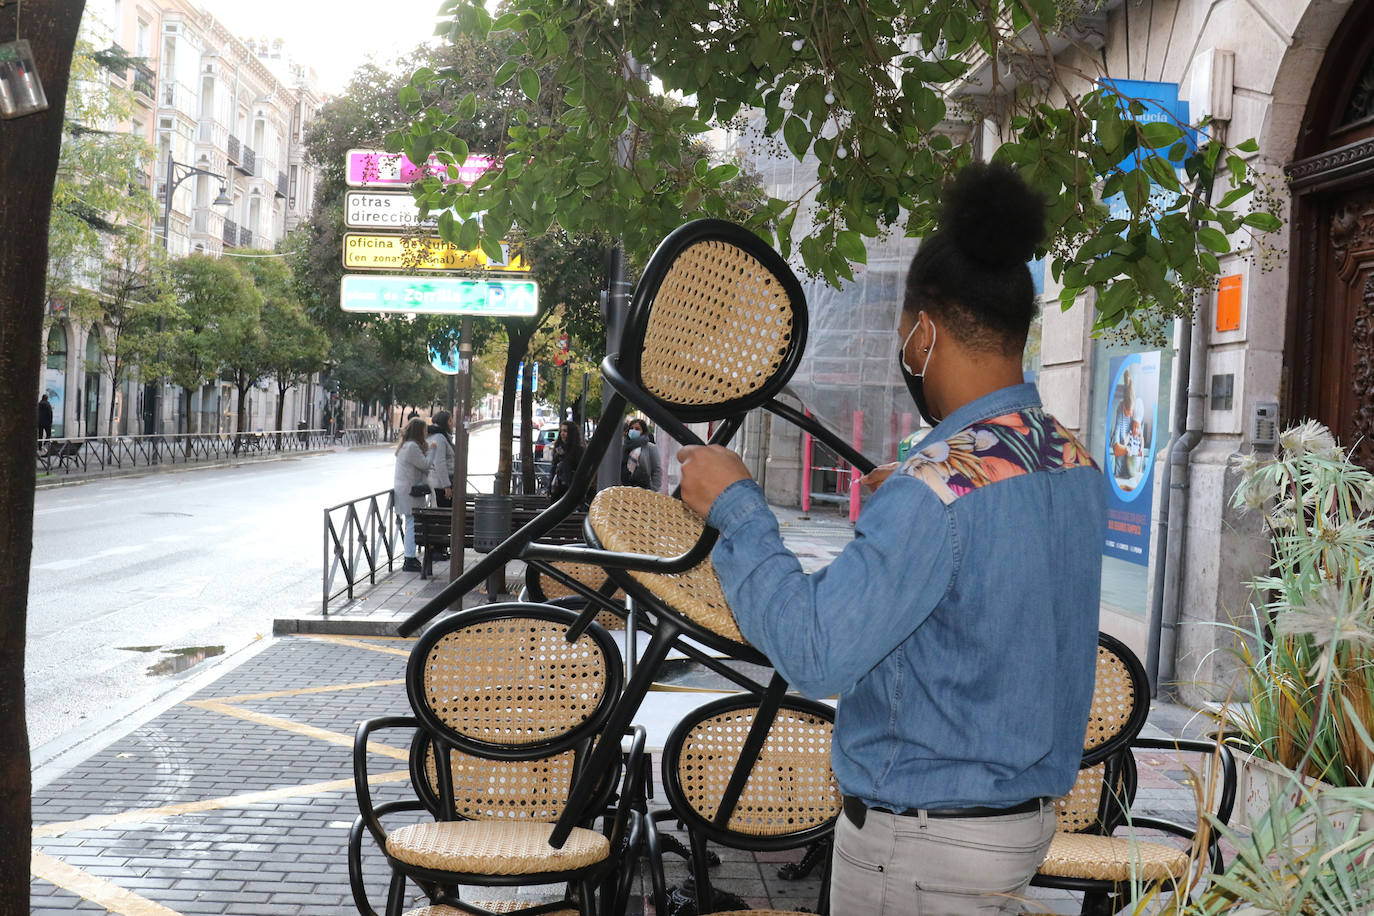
(440, 443)
(641, 467)
(44, 418)
(567, 454)
(959, 627)
(409, 488)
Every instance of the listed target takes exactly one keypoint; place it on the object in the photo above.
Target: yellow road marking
(303, 691)
(356, 643)
(97, 890)
(297, 728)
(101, 821)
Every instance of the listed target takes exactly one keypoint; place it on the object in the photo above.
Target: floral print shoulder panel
(996, 449)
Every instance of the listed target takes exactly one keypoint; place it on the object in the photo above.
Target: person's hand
(874, 478)
(448, 492)
(706, 471)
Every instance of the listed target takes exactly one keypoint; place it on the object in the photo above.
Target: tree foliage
(101, 186)
(863, 91)
(294, 348)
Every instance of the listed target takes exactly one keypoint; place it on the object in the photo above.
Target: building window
(55, 377)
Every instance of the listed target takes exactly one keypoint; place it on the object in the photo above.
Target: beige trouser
(912, 864)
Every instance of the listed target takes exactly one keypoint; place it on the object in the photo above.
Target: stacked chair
(506, 704)
(1096, 849)
(716, 327)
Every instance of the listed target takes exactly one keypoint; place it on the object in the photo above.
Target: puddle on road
(138, 648)
(179, 660)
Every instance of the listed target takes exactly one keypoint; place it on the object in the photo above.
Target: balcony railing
(212, 132)
(207, 222)
(281, 184)
(144, 81)
(245, 237)
(231, 232)
(233, 150)
(249, 162)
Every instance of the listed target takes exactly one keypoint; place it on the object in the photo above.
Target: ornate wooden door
(1330, 348)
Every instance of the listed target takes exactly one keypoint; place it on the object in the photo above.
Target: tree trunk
(187, 415)
(518, 342)
(527, 428)
(281, 410)
(28, 165)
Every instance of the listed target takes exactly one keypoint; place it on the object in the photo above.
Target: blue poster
(1132, 421)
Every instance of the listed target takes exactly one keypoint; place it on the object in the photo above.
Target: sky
(334, 38)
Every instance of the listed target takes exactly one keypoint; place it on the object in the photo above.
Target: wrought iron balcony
(233, 150)
(245, 237)
(231, 233)
(250, 161)
(281, 184)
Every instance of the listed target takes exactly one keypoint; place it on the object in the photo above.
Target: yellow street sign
(366, 251)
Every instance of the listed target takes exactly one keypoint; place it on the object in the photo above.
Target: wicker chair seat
(495, 906)
(494, 847)
(1110, 858)
(633, 520)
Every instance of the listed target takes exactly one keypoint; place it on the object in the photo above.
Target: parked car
(543, 442)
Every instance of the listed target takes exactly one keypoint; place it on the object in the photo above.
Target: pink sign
(369, 168)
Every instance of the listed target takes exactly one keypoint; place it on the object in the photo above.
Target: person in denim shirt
(959, 627)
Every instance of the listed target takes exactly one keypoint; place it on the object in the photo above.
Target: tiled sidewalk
(238, 798)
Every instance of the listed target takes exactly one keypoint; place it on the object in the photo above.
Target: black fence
(104, 453)
(360, 538)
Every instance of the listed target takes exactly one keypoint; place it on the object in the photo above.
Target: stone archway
(1330, 351)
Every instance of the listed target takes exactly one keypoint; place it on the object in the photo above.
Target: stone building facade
(209, 100)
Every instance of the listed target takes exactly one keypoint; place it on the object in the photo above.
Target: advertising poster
(1132, 425)
(55, 387)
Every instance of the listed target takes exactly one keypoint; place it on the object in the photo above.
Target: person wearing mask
(959, 628)
(641, 465)
(440, 448)
(409, 487)
(567, 454)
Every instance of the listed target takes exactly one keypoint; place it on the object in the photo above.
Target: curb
(326, 626)
(149, 469)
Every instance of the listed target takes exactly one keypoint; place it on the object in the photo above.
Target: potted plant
(1308, 656)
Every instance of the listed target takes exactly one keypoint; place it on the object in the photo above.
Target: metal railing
(102, 453)
(360, 537)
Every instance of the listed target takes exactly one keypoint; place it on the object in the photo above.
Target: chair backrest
(790, 797)
(543, 587)
(717, 324)
(504, 682)
(1121, 703)
(485, 789)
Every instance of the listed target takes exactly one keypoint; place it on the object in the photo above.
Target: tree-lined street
(126, 571)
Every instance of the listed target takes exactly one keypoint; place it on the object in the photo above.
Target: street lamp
(174, 180)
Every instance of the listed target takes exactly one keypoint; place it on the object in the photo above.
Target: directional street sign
(395, 252)
(495, 298)
(384, 210)
(373, 167)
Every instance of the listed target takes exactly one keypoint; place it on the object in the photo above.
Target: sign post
(459, 518)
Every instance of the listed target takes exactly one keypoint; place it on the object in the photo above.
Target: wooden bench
(61, 451)
(433, 526)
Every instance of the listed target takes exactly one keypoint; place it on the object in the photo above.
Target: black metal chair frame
(622, 374)
(699, 829)
(1119, 782)
(624, 809)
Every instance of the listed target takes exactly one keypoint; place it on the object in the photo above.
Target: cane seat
(1115, 859)
(637, 521)
(496, 847)
(491, 906)
(543, 587)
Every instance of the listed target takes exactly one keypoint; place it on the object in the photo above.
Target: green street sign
(495, 298)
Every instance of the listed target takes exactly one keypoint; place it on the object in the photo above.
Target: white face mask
(925, 364)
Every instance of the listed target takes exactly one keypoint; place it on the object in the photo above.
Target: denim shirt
(959, 628)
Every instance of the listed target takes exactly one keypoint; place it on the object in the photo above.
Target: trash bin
(490, 521)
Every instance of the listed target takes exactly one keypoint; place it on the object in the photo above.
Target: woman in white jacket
(412, 470)
(441, 465)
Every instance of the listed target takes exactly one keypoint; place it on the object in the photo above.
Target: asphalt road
(137, 583)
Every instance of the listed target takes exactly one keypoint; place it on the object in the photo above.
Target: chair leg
(396, 895)
(1100, 903)
(604, 755)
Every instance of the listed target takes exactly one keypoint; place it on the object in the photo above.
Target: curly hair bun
(992, 215)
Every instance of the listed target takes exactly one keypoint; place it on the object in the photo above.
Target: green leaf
(1159, 134)
(505, 72)
(1248, 146)
(468, 106)
(491, 246)
(1114, 302)
(797, 135)
(529, 84)
(721, 174)
(851, 245)
(468, 234)
(1264, 222)
(1235, 194)
(589, 176)
(1214, 239)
